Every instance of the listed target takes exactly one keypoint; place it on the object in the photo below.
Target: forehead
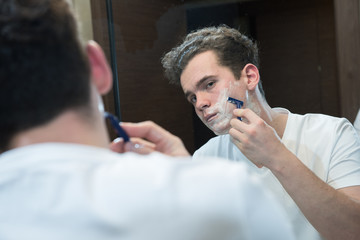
(201, 65)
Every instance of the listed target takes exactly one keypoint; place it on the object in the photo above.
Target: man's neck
(69, 127)
(275, 119)
(257, 103)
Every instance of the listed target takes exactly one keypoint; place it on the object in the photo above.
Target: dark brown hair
(43, 67)
(233, 49)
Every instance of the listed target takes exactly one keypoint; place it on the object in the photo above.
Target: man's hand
(147, 137)
(257, 140)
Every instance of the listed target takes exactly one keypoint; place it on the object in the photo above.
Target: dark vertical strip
(347, 16)
(113, 58)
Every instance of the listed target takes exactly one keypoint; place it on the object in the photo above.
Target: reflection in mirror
(298, 36)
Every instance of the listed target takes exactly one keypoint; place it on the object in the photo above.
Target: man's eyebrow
(198, 84)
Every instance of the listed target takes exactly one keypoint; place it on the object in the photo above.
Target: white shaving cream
(224, 110)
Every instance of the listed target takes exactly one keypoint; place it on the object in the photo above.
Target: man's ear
(101, 74)
(252, 76)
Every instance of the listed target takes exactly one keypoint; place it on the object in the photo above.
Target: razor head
(238, 103)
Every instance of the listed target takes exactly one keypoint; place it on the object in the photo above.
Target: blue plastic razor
(238, 103)
(118, 129)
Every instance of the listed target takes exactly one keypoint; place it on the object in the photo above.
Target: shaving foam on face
(221, 124)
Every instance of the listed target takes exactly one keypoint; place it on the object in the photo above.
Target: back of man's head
(43, 68)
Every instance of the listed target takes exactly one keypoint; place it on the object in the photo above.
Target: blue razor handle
(238, 104)
(118, 129)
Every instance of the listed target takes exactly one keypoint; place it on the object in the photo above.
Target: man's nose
(202, 101)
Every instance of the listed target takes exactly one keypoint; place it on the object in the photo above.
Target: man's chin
(223, 132)
(219, 129)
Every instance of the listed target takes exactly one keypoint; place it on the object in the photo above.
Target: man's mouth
(210, 117)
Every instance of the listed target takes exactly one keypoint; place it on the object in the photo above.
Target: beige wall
(83, 12)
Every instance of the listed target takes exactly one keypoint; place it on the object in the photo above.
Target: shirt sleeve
(344, 169)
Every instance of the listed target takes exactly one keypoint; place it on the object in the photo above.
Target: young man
(310, 162)
(58, 178)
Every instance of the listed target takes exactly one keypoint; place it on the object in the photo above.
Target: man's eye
(210, 84)
(192, 99)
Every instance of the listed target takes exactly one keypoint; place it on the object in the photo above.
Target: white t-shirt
(327, 145)
(68, 191)
(357, 123)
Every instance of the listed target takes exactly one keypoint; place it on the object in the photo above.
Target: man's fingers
(246, 113)
(138, 147)
(117, 145)
(135, 145)
(146, 130)
(162, 140)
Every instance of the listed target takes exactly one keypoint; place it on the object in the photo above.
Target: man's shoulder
(215, 143)
(131, 183)
(313, 130)
(317, 117)
(221, 147)
(316, 122)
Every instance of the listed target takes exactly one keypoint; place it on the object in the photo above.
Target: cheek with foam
(224, 109)
(220, 105)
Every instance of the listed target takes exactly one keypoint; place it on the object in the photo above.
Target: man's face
(207, 86)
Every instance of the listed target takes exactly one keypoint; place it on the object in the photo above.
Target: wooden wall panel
(347, 14)
(329, 84)
(298, 57)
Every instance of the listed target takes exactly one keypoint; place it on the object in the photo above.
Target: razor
(237, 102)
